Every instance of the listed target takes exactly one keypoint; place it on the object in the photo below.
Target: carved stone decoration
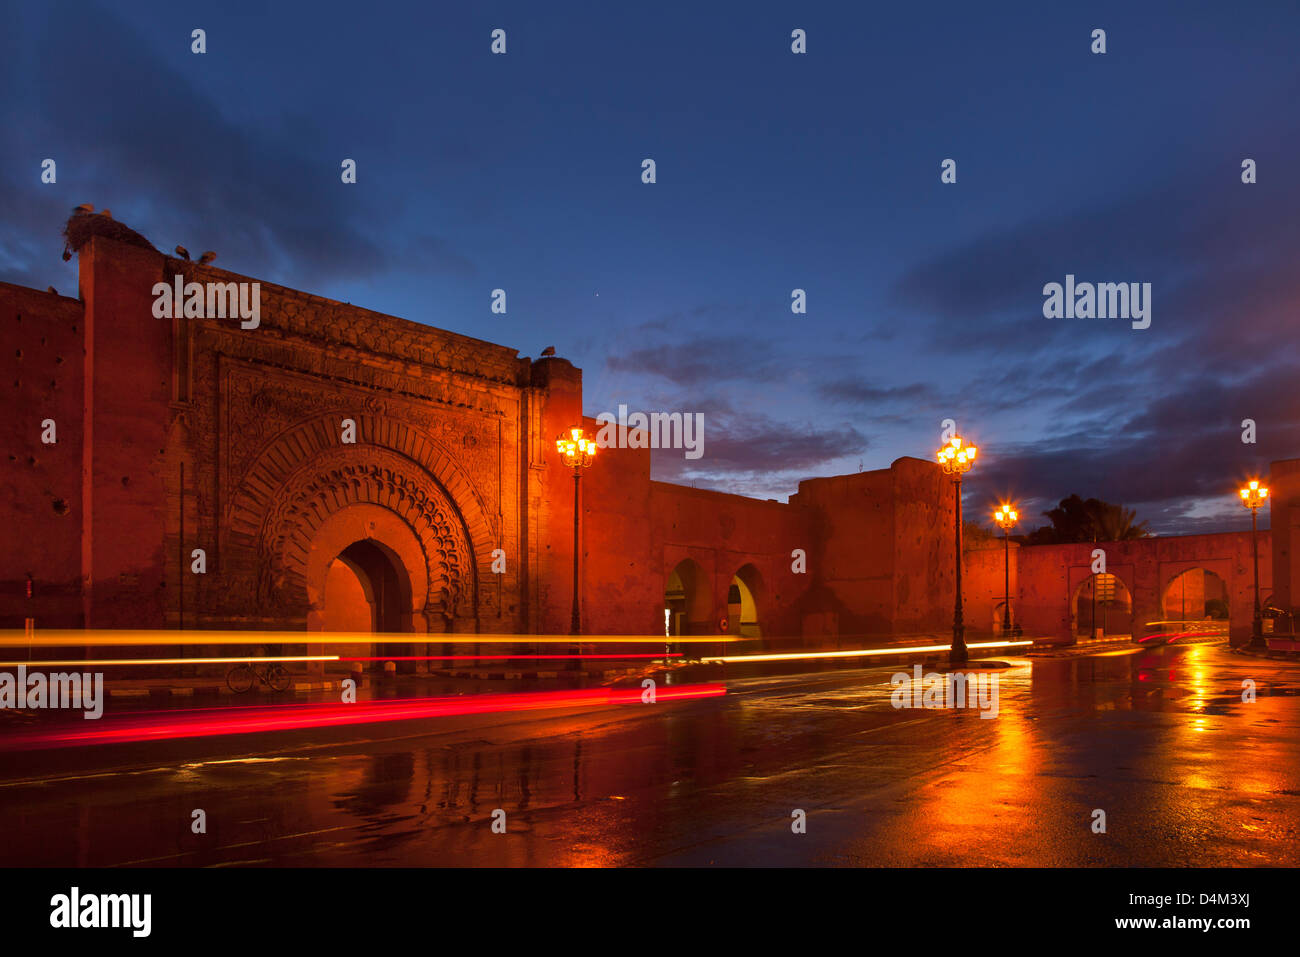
(264, 410)
(342, 477)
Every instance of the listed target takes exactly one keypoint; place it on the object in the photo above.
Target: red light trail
(657, 657)
(211, 722)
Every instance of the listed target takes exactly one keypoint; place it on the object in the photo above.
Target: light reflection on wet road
(1160, 740)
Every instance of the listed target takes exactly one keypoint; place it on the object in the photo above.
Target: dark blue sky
(775, 171)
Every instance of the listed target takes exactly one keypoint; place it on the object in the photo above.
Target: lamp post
(577, 452)
(1252, 497)
(957, 460)
(1006, 518)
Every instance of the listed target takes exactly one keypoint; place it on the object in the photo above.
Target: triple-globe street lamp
(576, 452)
(956, 459)
(1252, 497)
(1006, 519)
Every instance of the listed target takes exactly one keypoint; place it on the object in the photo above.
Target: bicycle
(241, 678)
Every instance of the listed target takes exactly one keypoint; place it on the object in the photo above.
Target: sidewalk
(205, 687)
(168, 687)
(1055, 647)
(506, 671)
(1280, 648)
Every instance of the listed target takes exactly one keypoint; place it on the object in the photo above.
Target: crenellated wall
(454, 478)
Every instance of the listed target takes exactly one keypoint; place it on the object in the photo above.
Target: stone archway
(1195, 594)
(745, 603)
(687, 601)
(1101, 603)
(1000, 609)
(373, 540)
(367, 591)
(291, 531)
(367, 573)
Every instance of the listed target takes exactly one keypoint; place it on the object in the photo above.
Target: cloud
(1170, 454)
(697, 361)
(1215, 251)
(754, 454)
(153, 144)
(856, 390)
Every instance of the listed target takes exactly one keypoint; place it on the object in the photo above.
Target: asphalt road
(1160, 740)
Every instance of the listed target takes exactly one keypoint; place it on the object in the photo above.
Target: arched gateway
(385, 512)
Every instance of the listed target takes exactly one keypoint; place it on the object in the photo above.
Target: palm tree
(1115, 523)
(1088, 520)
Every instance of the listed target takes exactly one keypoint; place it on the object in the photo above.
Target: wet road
(1186, 772)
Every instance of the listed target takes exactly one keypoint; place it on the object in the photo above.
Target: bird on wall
(207, 257)
(85, 208)
(183, 253)
(53, 290)
(549, 351)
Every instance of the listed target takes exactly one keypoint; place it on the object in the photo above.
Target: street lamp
(957, 460)
(577, 452)
(1252, 496)
(1006, 518)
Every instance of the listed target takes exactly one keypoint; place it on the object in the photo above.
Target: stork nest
(80, 227)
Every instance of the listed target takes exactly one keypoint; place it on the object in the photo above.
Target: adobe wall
(851, 554)
(924, 548)
(722, 534)
(882, 557)
(1050, 575)
(453, 440)
(440, 442)
(41, 373)
(623, 582)
(554, 402)
(126, 425)
(1284, 522)
(455, 458)
(983, 585)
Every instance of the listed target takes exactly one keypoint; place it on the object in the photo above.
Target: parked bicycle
(241, 678)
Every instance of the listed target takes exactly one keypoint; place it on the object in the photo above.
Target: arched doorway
(367, 572)
(999, 610)
(686, 601)
(1197, 594)
(1103, 605)
(367, 590)
(743, 598)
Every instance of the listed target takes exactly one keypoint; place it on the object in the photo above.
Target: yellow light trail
(79, 662)
(903, 650)
(114, 639)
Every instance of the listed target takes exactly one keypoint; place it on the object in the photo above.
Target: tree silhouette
(1088, 520)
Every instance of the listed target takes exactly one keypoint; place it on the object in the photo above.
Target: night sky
(775, 171)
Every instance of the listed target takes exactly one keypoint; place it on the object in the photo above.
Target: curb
(1267, 654)
(527, 675)
(1048, 648)
(298, 687)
